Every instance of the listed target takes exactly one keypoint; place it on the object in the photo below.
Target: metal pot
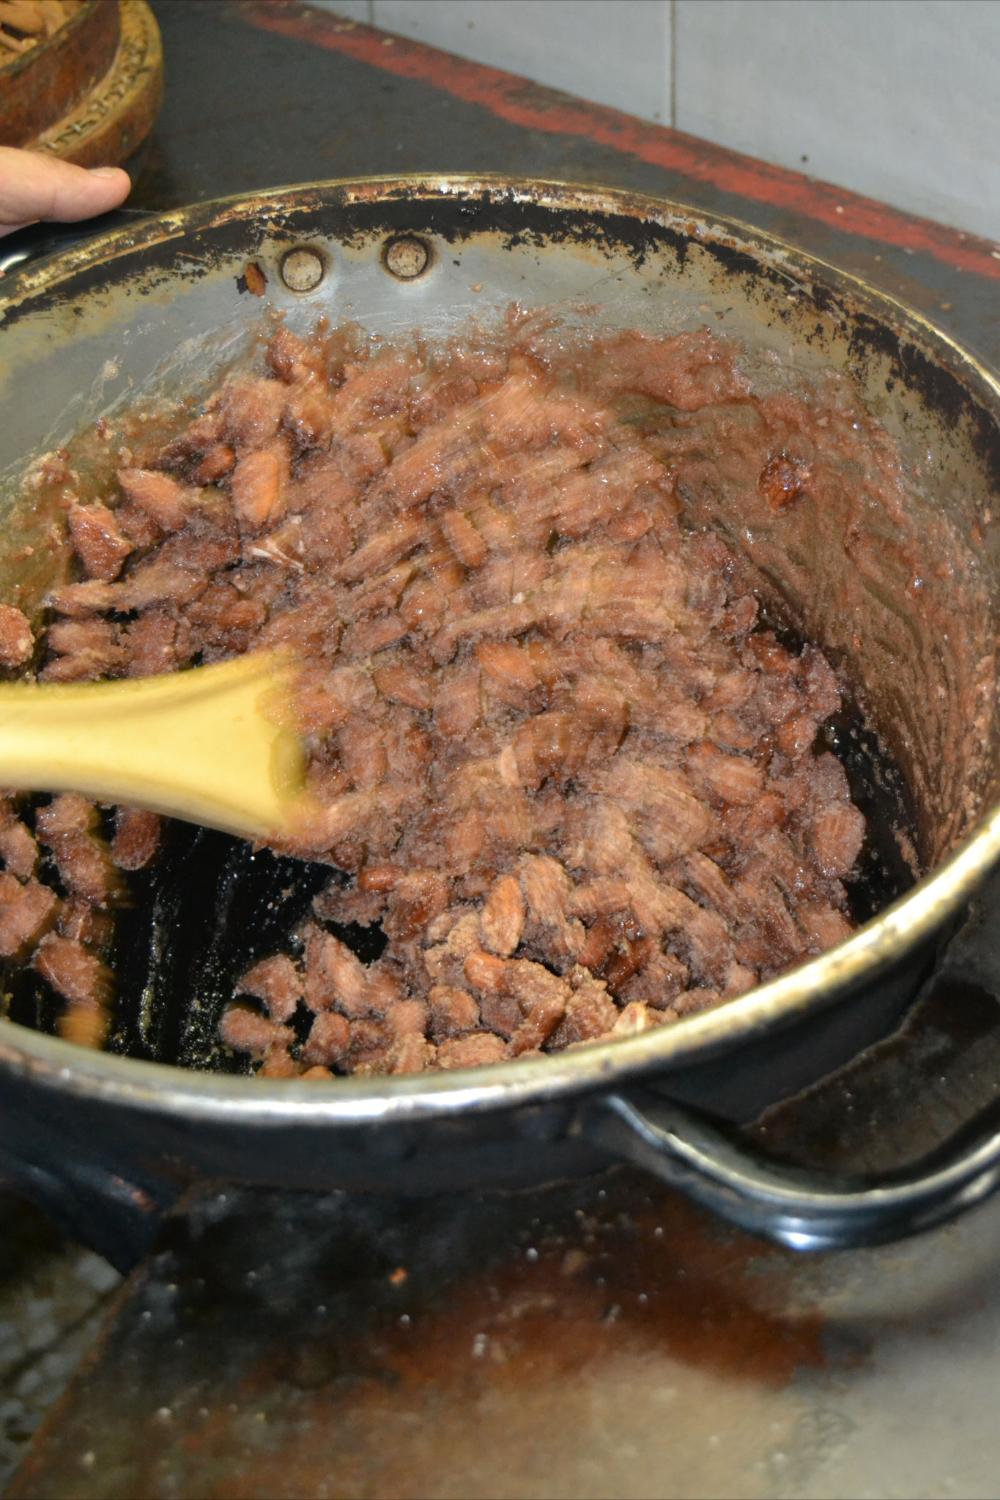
(164, 303)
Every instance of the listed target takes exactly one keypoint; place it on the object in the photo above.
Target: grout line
(673, 64)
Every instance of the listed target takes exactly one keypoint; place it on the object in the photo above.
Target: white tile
(351, 10)
(899, 99)
(614, 52)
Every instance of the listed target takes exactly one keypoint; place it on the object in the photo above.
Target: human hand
(34, 186)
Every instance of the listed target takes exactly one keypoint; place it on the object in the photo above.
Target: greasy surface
(570, 777)
(595, 1339)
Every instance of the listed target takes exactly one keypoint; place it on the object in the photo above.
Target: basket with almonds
(24, 24)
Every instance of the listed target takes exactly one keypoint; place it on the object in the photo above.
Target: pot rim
(820, 982)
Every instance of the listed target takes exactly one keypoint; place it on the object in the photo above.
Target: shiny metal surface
(125, 315)
(787, 1204)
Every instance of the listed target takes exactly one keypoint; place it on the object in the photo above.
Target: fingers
(34, 186)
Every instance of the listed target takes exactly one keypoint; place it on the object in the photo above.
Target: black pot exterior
(108, 1172)
(77, 1133)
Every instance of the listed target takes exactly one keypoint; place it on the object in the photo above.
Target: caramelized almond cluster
(565, 768)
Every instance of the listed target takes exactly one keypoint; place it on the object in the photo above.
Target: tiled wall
(899, 99)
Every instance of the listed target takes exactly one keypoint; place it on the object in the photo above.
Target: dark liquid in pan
(210, 907)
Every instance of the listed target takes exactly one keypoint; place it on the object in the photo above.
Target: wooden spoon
(210, 745)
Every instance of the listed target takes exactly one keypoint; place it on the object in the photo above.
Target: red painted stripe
(536, 108)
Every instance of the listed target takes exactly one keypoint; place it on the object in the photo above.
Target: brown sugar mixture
(561, 761)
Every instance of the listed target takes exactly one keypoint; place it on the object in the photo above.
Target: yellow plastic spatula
(207, 745)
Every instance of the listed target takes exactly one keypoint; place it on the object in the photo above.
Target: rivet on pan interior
(406, 257)
(302, 270)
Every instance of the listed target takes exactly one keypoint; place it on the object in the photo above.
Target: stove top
(593, 1338)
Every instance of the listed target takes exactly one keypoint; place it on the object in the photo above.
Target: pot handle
(714, 1166)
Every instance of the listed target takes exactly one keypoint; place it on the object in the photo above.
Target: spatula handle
(206, 745)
